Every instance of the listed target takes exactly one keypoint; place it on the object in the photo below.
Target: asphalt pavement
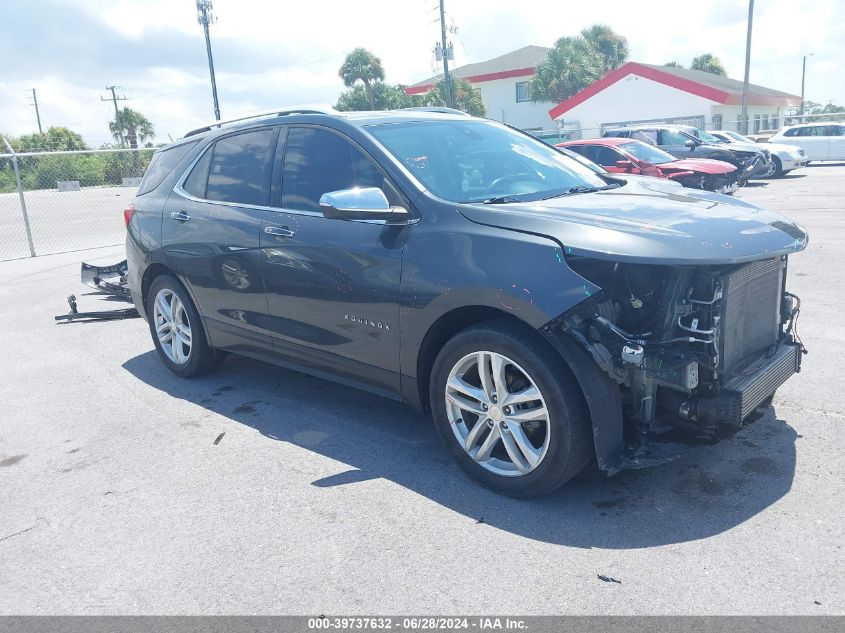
(125, 490)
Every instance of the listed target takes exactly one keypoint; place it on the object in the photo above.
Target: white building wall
(500, 103)
(634, 98)
(771, 117)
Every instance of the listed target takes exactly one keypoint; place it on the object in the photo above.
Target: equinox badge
(363, 321)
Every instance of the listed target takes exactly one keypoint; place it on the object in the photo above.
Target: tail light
(128, 212)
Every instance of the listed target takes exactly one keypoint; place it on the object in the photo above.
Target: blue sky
(271, 53)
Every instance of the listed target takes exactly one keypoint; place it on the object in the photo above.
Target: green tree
(709, 64)
(673, 65)
(569, 67)
(385, 97)
(813, 108)
(54, 139)
(612, 47)
(362, 65)
(133, 125)
(465, 96)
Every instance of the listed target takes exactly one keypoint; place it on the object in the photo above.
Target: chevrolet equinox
(544, 313)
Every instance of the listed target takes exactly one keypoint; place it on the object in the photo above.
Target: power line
(37, 113)
(117, 124)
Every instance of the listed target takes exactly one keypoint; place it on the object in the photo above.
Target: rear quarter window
(162, 163)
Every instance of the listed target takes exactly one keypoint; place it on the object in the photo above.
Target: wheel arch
(156, 270)
(440, 331)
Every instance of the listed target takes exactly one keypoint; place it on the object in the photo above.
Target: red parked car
(629, 156)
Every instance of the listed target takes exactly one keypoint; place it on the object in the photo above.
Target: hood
(701, 165)
(774, 148)
(743, 147)
(645, 223)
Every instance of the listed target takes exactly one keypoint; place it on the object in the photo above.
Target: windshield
(477, 161)
(648, 153)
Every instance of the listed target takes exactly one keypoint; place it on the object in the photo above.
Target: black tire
(777, 172)
(784, 172)
(202, 357)
(570, 434)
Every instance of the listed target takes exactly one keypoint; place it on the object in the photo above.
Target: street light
(803, 74)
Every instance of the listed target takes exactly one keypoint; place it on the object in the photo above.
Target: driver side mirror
(361, 203)
(691, 144)
(624, 164)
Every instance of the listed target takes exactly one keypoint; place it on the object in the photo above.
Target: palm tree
(465, 96)
(133, 125)
(569, 67)
(612, 47)
(136, 128)
(362, 65)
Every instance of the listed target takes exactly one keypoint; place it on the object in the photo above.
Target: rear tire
(552, 419)
(176, 328)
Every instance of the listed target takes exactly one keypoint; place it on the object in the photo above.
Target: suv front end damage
(693, 349)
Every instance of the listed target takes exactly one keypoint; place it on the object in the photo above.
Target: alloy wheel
(172, 326)
(497, 414)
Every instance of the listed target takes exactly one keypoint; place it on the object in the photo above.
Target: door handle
(180, 216)
(278, 231)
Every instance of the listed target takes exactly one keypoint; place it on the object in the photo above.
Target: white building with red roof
(503, 83)
(643, 93)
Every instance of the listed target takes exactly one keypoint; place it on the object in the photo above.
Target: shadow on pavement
(710, 490)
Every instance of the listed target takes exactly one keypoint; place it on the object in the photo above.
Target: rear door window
(241, 166)
(670, 137)
(162, 163)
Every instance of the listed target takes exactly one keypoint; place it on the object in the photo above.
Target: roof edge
(641, 70)
(477, 79)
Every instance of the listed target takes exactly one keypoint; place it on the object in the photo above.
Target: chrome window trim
(180, 190)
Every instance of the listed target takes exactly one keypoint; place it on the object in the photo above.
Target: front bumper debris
(109, 281)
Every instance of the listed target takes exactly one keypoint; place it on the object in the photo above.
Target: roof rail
(440, 109)
(303, 109)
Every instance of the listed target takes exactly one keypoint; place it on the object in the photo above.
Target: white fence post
(20, 194)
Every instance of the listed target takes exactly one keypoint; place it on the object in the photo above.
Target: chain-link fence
(53, 202)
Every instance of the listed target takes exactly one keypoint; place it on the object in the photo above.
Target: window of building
(240, 166)
(717, 121)
(756, 123)
(522, 91)
(764, 123)
(775, 122)
(317, 162)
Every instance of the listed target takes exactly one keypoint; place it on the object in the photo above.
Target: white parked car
(820, 141)
(785, 158)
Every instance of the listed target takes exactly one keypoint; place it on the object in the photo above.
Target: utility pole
(205, 17)
(803, 74)
(38, 114)
(446, 78)
(114, 99)
(744, 116)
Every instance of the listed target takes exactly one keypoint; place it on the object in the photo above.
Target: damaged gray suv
(544, 314)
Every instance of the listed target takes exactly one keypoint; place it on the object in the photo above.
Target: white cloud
(272, 53)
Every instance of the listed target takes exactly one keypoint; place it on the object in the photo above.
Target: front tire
(176, 328)
(775, 168)
(510, 410)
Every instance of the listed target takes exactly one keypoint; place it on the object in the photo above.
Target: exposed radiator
(750, 321)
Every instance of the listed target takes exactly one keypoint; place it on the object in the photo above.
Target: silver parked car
(785, 158)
